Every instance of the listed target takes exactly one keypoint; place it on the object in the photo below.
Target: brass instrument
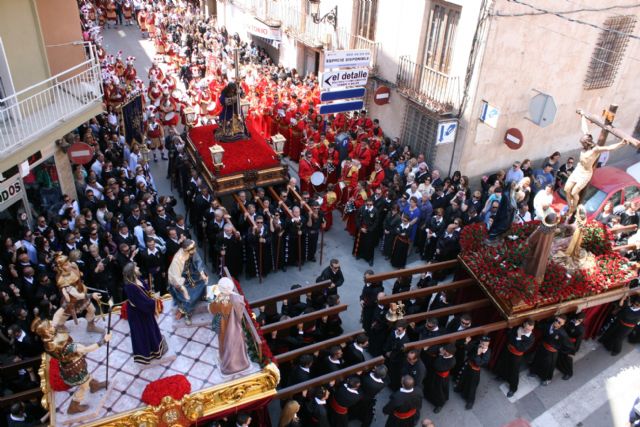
(396, 311)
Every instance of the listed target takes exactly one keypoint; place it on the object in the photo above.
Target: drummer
(307, 168)
(155, 134)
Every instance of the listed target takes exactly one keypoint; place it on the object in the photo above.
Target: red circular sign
(513, 138)
(80, 153)
(382, 95)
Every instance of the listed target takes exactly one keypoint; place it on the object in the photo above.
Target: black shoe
(155, 159)
(566, 377)
(511, 393)
(457, 389)
(468, 406)
(284, 269)
(437, 409)
(615, 353)
(371, 262)
(532, 375)
(312, 260)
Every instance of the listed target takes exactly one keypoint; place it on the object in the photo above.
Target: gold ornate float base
(205, 403)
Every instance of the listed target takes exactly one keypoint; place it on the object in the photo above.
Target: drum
(176, 95)
(170, 119)
(317, 178)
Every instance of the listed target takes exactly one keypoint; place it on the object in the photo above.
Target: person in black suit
(554, 338)
(123, 235)
(173, 244)
(24, 344)
(372, 383)
(344, 401)
(162, 222)
(458, 324)
(302, 371)
(18, 417)
(435, 229)
(354, 352)
(367, 222)
(153, 265)
(315, 409)
(626, 320)
(575, 331)
(478, 355)
(334, 274)
(331, 363)
(519, 341)
(403, 409)
(369, 301)
(437, 381)
(394, 352)
(414, 366)
(448, 245)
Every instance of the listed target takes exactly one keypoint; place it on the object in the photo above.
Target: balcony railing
(36, 110)
(434, 90)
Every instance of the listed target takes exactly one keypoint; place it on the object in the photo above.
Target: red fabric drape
(595, 318)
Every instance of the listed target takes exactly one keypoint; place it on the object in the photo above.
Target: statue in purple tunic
(146, 340)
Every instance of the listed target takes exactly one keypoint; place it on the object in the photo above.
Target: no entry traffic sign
(80, 153)
(382, 95)
(513, 138)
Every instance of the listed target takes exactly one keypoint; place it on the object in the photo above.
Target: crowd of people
(390, 200)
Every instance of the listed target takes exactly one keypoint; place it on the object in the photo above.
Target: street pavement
(600, 394)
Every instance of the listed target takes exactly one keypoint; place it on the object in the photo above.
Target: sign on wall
(344, 78)
(447, 131)
(260, 29)
(347, 58)
(10, 191)
(489, 114)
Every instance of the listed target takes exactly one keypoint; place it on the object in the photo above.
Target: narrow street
(599, 394)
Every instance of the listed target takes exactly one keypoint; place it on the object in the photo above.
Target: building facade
(461, 73)
(50, 84)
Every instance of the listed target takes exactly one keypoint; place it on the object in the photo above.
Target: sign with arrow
(344, 78)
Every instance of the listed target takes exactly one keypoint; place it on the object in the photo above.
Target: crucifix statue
(589, 154)
(232, 120)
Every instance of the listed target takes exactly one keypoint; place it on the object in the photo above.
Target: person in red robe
(296, 143)
(330, 164)
(363, 154)
(329, 202)
(307, 168)
(376, 177)
(356, 200)
(348, 180)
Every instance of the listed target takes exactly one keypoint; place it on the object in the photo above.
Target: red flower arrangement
(499, 267)
(55, 380)
(176, 386)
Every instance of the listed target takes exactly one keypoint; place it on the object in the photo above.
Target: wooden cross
(607, 126)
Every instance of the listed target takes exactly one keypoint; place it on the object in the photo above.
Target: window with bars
(609, 51)
(443, 22)
(420, 132)
(365, 18)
